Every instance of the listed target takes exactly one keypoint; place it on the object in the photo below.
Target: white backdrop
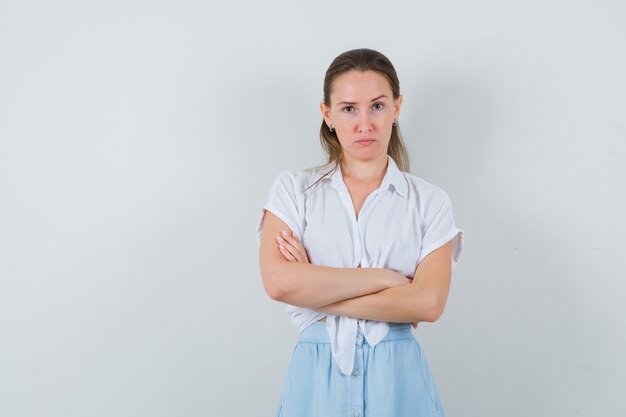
(138, 141)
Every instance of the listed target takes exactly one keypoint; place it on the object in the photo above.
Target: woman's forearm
(401, 304)
(308, 285)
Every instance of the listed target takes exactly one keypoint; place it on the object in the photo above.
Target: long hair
(360, 60)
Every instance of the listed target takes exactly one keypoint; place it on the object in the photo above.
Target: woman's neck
(364, 171)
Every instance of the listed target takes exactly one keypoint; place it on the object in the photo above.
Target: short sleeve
(282, 201)
(439, 228)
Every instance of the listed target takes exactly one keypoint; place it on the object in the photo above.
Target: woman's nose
(364, 122)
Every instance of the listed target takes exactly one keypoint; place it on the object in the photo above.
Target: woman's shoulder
(423, 190)
(299, 177)
(302, 180)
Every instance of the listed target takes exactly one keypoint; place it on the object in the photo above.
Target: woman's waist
(317, 332)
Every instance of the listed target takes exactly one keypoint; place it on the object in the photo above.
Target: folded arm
(423, 299)
(307, 285)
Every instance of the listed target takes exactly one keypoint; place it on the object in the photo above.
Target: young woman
(360, 250)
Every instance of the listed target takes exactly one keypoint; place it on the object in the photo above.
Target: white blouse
(401, 222)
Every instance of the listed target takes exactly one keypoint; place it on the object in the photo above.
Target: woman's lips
(365, 141)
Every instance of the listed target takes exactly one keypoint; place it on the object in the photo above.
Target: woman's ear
(398, 104)
(326, 114)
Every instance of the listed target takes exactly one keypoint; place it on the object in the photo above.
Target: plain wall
(138, 142)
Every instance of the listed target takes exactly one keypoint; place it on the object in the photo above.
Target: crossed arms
(367, 293)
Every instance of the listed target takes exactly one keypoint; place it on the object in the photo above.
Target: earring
(395, 122)
(332, 129)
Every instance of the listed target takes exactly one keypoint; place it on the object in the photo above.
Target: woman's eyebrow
(352, 102)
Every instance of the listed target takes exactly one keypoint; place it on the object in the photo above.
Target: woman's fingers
(292, 252)
(293, 246)
(296, 242)
(286, 253)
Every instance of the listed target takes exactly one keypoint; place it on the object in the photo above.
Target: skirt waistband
(317, 333)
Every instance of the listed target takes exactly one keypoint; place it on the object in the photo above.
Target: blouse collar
(393, 176)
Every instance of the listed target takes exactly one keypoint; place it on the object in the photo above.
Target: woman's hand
(398, 279)
(291, 248)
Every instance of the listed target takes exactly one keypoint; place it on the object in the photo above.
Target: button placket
(356, 381)
(360, 227)
(344, 196)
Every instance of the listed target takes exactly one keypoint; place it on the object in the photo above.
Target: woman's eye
(378, 106)
(348, 109)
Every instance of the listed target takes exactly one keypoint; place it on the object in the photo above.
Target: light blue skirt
(390, 379)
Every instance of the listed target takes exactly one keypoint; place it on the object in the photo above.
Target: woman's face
(362, 111)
